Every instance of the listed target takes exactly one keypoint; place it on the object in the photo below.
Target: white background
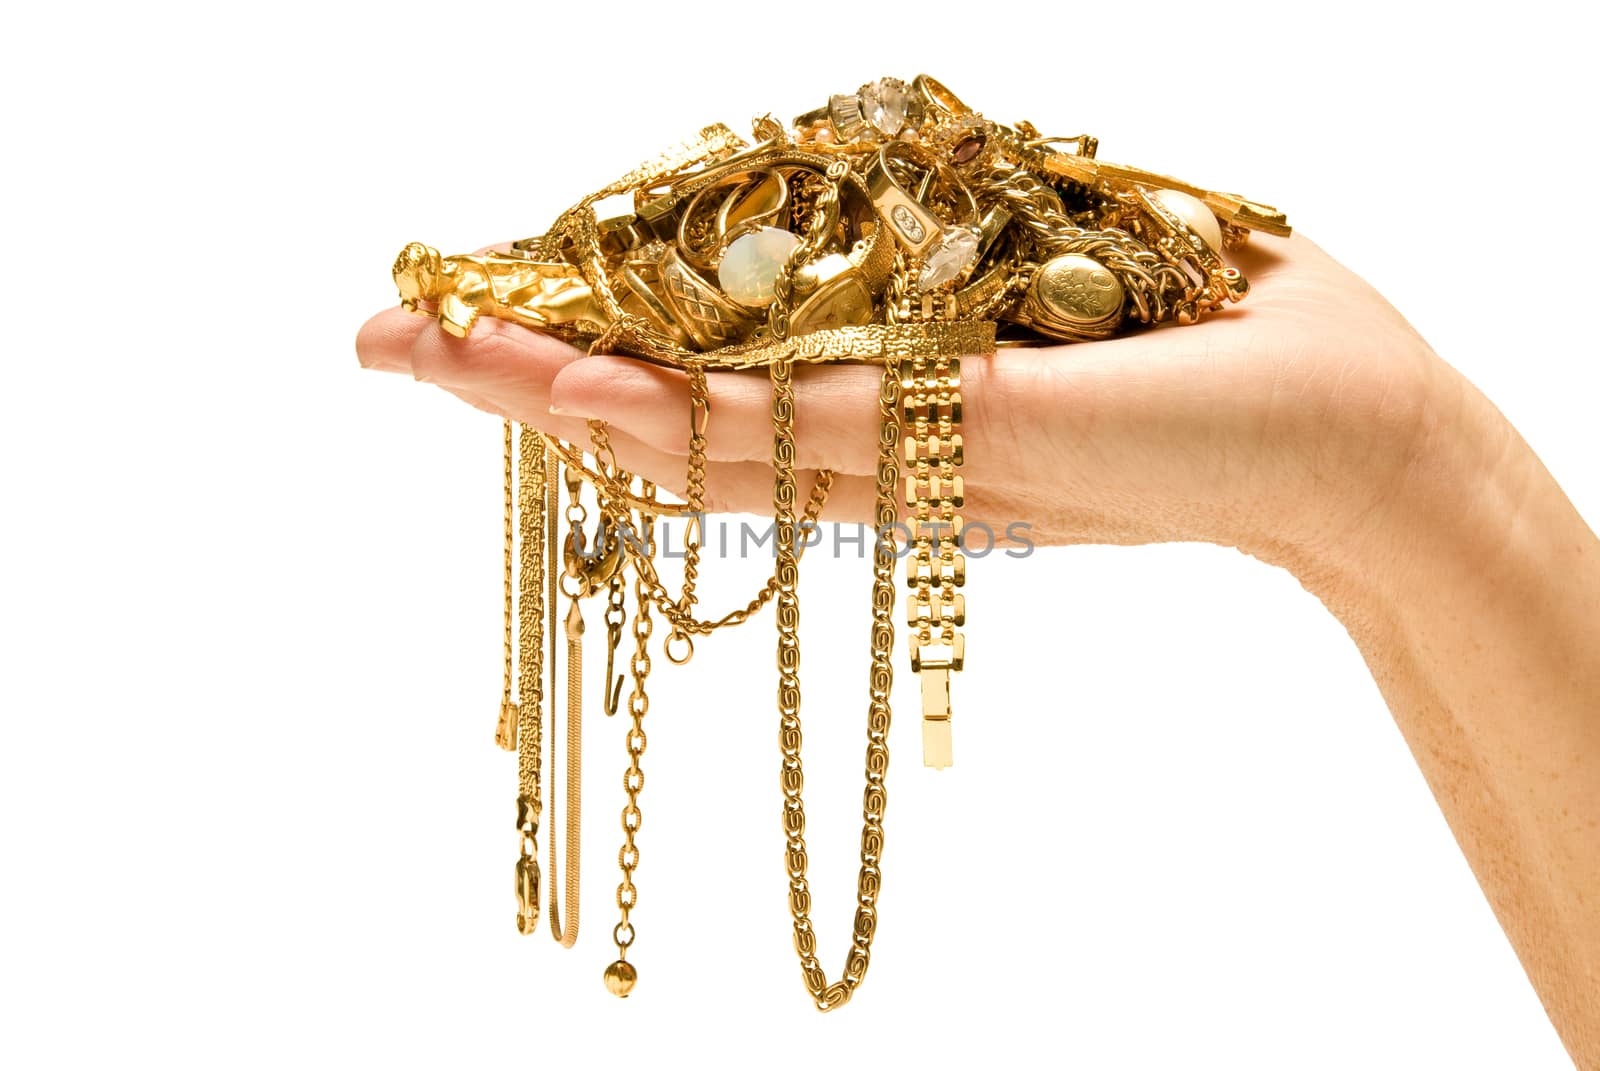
(251, 811)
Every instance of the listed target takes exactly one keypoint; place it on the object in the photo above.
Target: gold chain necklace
(894, 226)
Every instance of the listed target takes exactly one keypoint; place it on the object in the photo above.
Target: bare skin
(1312, 428)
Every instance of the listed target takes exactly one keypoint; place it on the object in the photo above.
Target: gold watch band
(935, 566)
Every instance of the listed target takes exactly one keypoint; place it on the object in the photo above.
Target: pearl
(1194, 212)
(751, 266)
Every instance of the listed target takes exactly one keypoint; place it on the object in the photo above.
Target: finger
(384, 342)
(501, 361)
(506, 370)
(567, 430)
(521, 375)
(730, 487)
(836, 410)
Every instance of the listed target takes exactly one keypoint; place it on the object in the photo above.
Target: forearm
(1474, 595)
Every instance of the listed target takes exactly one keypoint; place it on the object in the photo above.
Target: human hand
(1310, 426)
(1278, 422)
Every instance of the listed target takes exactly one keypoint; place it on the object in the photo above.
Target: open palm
(1284, 411)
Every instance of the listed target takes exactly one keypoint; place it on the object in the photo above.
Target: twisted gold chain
(510, 546)
(826, 995)
(505, 730)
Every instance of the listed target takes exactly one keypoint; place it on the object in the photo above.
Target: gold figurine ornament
(892, 226)
(540, 296)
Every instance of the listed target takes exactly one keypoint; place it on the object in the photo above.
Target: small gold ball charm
(620, 977)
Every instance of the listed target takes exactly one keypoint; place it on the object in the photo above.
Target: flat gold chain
(566, 935)
(530, 683)
(826, 995)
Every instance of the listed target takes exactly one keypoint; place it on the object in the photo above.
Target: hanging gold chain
(695, 485)
(875, 798)
(616, 616)
(645, 569)
(566, 935)
(530, 684)
(694, 498)
(621, 975)
(505, 730)
(678, 615)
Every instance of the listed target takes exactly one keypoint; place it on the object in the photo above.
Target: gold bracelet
(893, 226)
(935, 568)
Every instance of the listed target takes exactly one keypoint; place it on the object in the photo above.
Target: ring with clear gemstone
(890, 106)
(953, 255)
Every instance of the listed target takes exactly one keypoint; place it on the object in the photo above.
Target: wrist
(1428, 495)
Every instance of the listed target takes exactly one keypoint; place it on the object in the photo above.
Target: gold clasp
(505, 730)
(933, 663)
(527, 894)
(614, 694)
(591, 571)
(615, 615)
(527, 872)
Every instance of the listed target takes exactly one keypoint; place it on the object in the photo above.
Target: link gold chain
(828, 996)
(621, 975)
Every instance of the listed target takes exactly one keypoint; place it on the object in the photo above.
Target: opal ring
(705, 312)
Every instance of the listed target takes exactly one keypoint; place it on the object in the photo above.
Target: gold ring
(758, 197)
(913, 226)
(688, 647)
(705, 312)
(936, 95)
(844, 115)
(654, 309)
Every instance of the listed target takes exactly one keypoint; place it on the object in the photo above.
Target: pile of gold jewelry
(893, 226)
